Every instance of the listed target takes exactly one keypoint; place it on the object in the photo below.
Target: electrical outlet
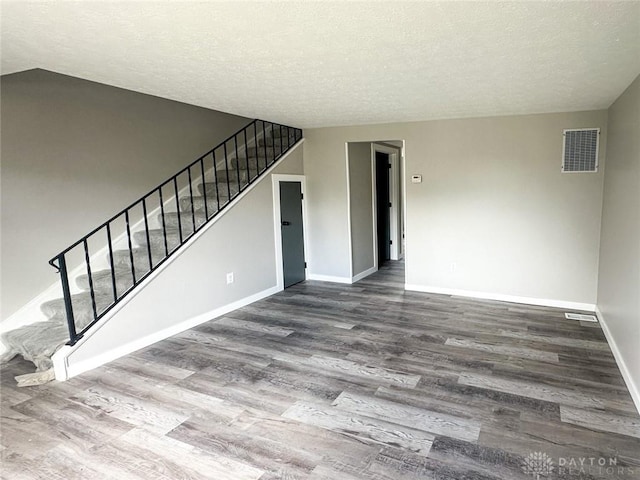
(229, 278)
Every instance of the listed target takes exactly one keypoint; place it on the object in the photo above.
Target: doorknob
(285, 224)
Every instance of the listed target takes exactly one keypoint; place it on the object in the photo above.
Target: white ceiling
(321, 64)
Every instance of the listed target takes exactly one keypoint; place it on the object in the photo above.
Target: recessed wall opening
(376, 210)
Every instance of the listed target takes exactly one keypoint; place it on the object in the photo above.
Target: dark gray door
(292, 232)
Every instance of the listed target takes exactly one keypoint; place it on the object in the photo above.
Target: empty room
(320, 240)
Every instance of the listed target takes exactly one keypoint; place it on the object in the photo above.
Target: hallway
(327, 381)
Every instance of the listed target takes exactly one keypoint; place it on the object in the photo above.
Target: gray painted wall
(242, 242)
(74, 153)
(619, 272)
(493, 202)
(361, 192)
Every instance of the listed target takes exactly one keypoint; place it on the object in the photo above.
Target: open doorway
(383, 206)
(375, 205)
(388, 194)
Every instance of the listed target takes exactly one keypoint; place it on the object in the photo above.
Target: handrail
(213, 170)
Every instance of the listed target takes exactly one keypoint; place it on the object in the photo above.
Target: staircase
(120, 254)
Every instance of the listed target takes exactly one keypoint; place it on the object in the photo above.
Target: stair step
(198, 204)
(265, 151)
(232, 165)
(210, 188)
(275, 141)
(281, 133)
(103, 282)
(38, 341)
(122, 259)
(186, 219)
(232, 175)
(223, 191)
(82, 307)
(255, 164)
(186, 222)
(157, 238)
(245, 175)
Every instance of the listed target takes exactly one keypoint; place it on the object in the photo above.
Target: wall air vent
(580, 150)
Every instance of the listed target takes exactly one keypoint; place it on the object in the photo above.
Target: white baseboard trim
(626, 375)
(73, 369)
(366, 273)
(328, 278)
(545, 302)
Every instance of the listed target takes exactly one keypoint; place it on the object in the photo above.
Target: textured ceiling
(344, 63)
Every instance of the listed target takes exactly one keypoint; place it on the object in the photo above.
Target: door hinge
(390, 242)
(302, 196)
(305, 264)
(389, 166)
(389, 204)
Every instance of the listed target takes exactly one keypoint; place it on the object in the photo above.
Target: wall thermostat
(416, 178)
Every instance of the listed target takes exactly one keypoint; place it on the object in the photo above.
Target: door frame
(394, 196)
(276, 179)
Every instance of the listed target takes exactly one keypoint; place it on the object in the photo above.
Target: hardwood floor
(338, 382)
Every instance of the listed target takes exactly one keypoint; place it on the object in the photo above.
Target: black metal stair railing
(219, 176)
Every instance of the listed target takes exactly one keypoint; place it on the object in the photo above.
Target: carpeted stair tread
(213, 192)
(171, 228)
(39, 341)
(277, 141)
(265, 151)
(281, 132)
(82, 307)
(103, 281)
(36, 342)
(219, 187)
(157, 237)
(255, 164)
(198, 203)
(122, 258)
(186, 219)
(233, 174)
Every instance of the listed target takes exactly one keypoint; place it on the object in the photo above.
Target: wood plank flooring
(337, 382)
